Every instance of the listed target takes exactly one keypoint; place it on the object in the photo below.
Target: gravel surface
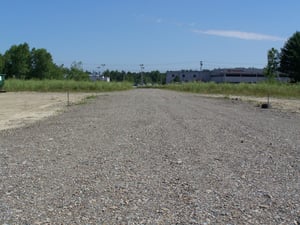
(153, 157)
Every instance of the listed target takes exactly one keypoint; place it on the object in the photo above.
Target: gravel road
(153, 157)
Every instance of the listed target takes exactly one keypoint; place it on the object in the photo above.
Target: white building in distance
(99, 77)
(236, 75)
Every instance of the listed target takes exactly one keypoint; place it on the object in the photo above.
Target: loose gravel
(153, 157)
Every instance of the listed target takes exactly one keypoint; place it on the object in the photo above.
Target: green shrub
(275, 89)
(64, 85)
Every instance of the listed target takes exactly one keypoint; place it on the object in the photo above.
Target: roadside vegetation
(64, 85)
(274, 89)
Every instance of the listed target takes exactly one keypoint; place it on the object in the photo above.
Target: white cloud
(159, 20)
(192, 24)
(240, 35)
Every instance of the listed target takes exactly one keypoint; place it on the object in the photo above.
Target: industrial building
(98, 77)
(236, 75)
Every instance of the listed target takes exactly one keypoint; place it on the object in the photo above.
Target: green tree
(129, 77)
(17, 61)
(177, 79)
(273, 64)
(58, 72)
(115, 75)
(76, 72)
(1, 63)
(41, 64)
(290, 57)
(157, 77)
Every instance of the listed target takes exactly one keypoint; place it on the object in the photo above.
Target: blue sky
(161, 34)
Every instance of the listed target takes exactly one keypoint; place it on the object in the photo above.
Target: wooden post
(68, 97)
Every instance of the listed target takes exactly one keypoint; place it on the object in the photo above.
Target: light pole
(98, 73)
(103, 65)
(142, 78)
(102, 74)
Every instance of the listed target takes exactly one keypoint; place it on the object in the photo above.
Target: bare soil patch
(286, 105)
(20, 108)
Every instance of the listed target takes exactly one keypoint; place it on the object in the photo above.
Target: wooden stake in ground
(68, 97)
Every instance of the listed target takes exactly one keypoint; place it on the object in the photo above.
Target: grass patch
(281, 90)
(91, 97)
(64, 85)
(86, 100)
(157, 86)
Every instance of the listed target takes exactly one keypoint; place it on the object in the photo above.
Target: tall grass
(281, 90)
(64, 85)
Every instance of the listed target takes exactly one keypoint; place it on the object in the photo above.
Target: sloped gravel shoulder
(153, 157)
(281, 104)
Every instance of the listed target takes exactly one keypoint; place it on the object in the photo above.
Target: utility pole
(102, 74)
(142, 78)
(103, 65)
(201, 64)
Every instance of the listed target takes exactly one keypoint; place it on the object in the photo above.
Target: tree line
(152, 77)
(21, 62)
(286, 61)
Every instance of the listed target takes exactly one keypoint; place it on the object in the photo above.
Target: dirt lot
(285, 105)
(153, 157)
(21, 108)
